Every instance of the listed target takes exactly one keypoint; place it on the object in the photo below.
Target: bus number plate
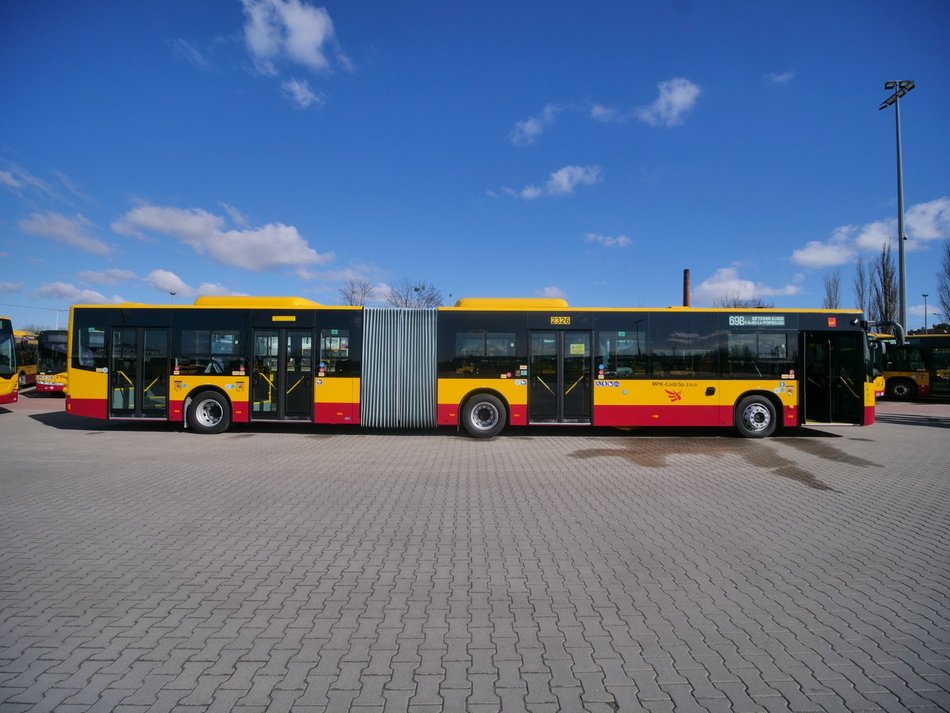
(560, 320)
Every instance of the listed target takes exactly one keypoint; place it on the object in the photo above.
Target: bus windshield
(51, 346)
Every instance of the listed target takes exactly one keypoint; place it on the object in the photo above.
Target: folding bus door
(138, 373)
(559, 374)
(282, 375)
(833, 366)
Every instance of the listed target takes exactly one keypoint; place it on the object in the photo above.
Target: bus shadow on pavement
(62, 421)
(901, 419)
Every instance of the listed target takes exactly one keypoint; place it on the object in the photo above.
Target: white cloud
(609, 241)
(63, 229)
(165, 281)
(292, 31)
(300, 93)
(928, 221)
(783, 78)
(526, 132)
(107, 277)
(923, 222)
(191, 54)
(270, 246)
(552, 291)
(677, 97)
(236, 216)
(72, 294)
(599, 112)
(560, 182)
(16, 178)
(726, 283)
(168, 282)
(10, 286)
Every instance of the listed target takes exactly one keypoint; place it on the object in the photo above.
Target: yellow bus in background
(25, 357)
(51, 360)
(919, 368)
(480, 365)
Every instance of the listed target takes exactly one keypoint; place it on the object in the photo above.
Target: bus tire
(755, 417)
(209, 412)
(902, 389)
(483, 416)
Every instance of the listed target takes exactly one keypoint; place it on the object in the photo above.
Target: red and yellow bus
(9, 377)
(481, 365)
(51, 360)
(918, 368)
(25, 357)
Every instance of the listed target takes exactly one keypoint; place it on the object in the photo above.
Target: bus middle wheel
(209, 412)
(483, 416)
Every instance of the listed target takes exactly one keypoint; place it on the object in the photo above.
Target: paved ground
(143, 568)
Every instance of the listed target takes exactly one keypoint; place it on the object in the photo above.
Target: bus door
(559, 377)
(833, 377)
(282, 375)
(138, 372)
(939, 368)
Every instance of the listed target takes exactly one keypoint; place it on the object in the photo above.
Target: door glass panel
(123, 372)
(576, 383)
(155, 372)
(543, 390)
(138, 373)
(298, 383)
(264, 374)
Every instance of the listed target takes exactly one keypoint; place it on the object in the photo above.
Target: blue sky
(585, 150)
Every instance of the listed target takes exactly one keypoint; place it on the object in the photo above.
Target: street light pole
(925, 312)
(900, 87)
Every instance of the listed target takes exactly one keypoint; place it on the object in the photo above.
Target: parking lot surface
(305, 569)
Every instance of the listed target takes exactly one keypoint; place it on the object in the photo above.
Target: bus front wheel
(209, 412)
(755, 417)
(483, 416)
(902, 389)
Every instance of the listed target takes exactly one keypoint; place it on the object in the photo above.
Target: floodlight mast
(900, 87)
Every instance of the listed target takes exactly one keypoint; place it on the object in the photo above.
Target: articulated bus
(918, 368)
(9, 381)
(480, 365)
(25, 357)
(51, 360)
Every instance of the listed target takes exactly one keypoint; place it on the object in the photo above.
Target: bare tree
(943, 283)
(861, 286)
(414, 293)
(884, 287)
(833, 290)
(741, 303)
(356, 292)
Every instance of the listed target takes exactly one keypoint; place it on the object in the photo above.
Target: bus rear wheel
(902, 389)
(209, 412)
(755, 417)
(483, 416)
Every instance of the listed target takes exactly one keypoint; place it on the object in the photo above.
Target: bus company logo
(609, 384)
(674, 396)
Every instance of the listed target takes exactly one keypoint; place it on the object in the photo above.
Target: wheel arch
(199, 389)
(483, 390)
(772, 398)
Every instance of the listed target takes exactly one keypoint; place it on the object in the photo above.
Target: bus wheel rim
(484, 417)
(756, 417)
(209, 413)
